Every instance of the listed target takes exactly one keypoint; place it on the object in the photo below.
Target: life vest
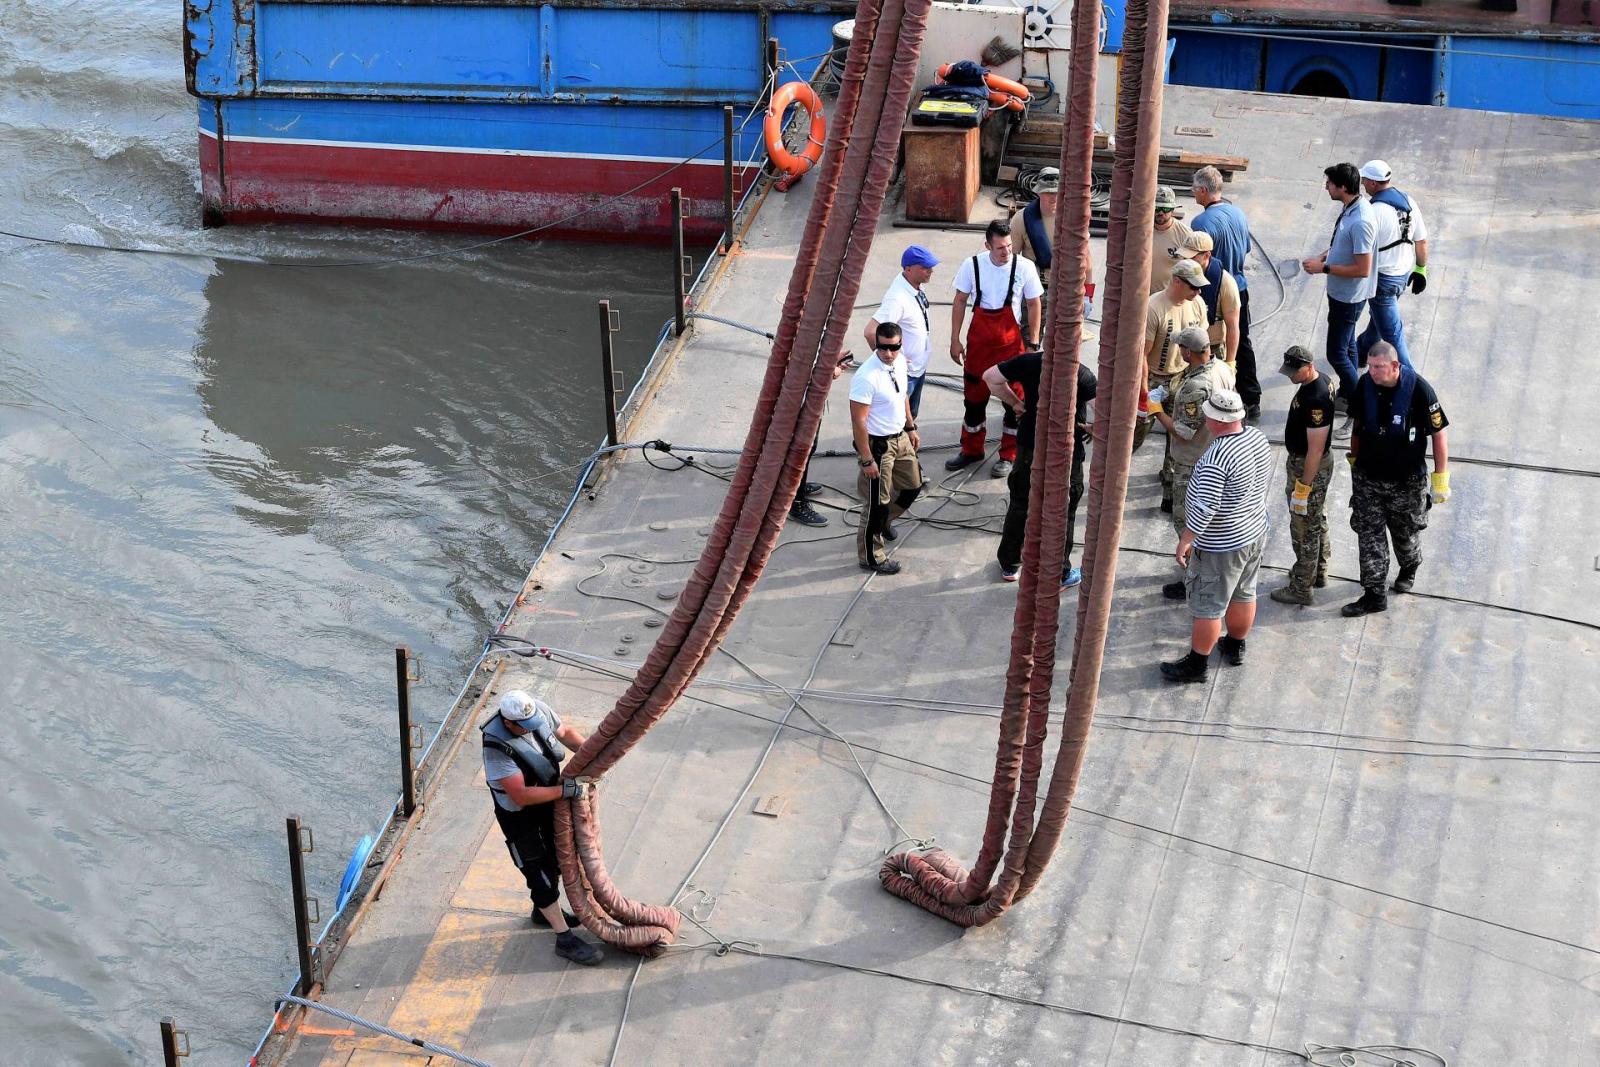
(1399, 407)
(537, 753)
(1212, 293)
(1402, 209)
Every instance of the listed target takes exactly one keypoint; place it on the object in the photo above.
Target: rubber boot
(1191, 668)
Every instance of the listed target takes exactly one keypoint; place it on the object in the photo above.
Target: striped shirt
(1226, 506)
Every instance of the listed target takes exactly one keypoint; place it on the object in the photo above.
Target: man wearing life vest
(523, 746)
(999, 285)
(1402, 259)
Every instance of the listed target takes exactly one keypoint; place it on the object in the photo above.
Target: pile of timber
(1037, 143)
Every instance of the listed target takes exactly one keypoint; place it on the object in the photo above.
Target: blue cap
(917, 256)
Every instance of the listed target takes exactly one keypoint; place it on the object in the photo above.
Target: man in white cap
(523, 746)
(1402, 258)
(1225, 529)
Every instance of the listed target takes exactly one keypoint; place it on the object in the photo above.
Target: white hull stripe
(464, 151)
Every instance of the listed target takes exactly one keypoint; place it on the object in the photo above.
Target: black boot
(959, 460)
(1369, 604)
(540, 920)
(1405, 579)
(802, 512)
(1232, 649)
(569, 946)
(1191, 668)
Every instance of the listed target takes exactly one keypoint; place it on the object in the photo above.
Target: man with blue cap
(906, 305)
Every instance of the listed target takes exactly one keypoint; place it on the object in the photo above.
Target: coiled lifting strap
(863, 140)
(936, 881)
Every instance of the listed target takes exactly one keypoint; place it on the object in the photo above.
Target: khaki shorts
(1216, 579)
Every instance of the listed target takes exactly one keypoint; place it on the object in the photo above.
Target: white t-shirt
(884, 388)
(901, 306)
(993, 281)
(1399, 260)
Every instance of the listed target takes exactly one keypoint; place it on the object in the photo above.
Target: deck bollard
(727, 180)
(403, 677)
(301, 842)
(679, 267)
(610, 322)
(174, 1042)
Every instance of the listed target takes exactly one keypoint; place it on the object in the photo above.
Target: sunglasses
(887, 348)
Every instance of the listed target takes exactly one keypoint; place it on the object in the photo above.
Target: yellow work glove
(1300, 499)
(1441, 486)
(1155, 408)
(1350, 458)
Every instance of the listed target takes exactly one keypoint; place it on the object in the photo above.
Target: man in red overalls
(999, 284)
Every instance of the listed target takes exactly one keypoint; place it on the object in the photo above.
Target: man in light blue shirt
(1230, 239)
(1349, 264)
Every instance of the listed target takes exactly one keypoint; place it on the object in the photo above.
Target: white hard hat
(1376, 170)
(517, 706)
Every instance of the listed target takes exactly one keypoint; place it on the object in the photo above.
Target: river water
(227, 491)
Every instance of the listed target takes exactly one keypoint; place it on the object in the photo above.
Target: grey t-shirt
(498, 765)
(1354, 234)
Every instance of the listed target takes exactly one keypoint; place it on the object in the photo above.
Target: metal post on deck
(174, 1042)
(403, 678)
(679, 320)
(300, 843)
(608, 326)
(770, 80)
(727, 180)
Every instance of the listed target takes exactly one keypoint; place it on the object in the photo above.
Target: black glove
(1419, 279)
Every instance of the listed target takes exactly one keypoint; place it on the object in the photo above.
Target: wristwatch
(865, 463)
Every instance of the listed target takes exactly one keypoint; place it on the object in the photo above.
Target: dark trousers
(1245, 366)
(1343, 319)
(531, 839)
(1020, 481)
(801, 496)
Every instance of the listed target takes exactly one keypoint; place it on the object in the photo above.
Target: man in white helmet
(523, 746)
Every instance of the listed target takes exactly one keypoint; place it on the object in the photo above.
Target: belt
(885, 436)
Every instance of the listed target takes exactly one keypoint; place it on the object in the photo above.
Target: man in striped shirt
(1225, 529)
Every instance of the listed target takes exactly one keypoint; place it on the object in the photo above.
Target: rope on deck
(378, 1028)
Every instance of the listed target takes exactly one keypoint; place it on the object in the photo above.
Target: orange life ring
(788, 95)
(1003, 92)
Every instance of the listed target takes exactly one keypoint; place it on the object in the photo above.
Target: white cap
(517, 706)
(1376, 170)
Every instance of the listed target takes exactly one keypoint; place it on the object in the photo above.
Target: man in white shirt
(886, 441)
(1000, 285)
(905, 304)
(1402, 259)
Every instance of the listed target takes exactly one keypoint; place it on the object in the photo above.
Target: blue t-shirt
(1230, 234)
(1355, 233)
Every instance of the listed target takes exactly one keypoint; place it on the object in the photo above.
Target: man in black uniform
(1024, 370)
(1309, 469)
(1395, 414)
(522, 753)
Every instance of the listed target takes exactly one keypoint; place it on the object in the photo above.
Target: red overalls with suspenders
(994, 337)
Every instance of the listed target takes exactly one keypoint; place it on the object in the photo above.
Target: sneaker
(887, 566)
(1369, 604)
(1290, 595)
(1405, 579)
(1072, 578)
(569, 946)
(1342, 431)
(540, 921)
(1009, 574)
(1341, 404)
(1191, 668)
(811, 489)
(1001, 468)
(1252, 413)
(1321, 581)
(1175, 591)
(960, 460)
(1166, 505)
(1232, 649)
(806, 515)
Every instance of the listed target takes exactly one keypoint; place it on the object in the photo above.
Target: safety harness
(1402, 209)
(537, 753)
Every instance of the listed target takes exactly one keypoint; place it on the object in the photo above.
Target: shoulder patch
(1191, 409)
(1317, 416)
(1438, 419)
